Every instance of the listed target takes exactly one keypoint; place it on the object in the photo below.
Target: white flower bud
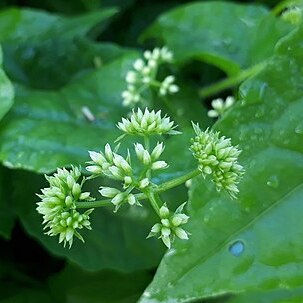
(139, 64)
(108, 153)
(94, 169)
(164, 211)
(70, 181)
(116, 172)
(181, 233)
(131, 77)
(143, 183)
(120, 162)
(159, 165)
(131, 199)
(76, 191)
(109, 192)
(139, 149)
(98, 158)
(118, 199)
(157, 151)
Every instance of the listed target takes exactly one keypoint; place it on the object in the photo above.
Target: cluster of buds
(58, 205)
(169, 226)
(144, 77)
(220, 107)
(292, 15)
(147, 123)
(217, 157)
(114, 166)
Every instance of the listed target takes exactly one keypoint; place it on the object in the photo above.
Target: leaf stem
(153, 198)
(161, 188)
(231, 82)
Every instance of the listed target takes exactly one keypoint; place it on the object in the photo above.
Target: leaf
(6, 91)
(201, 31)
(276, 296)
(52, 63)
(19, 25)
(50, 50)
(93, 287)
(253, 243)
(47, 129)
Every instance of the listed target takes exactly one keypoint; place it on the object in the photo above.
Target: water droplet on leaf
(237, 248)
(273, 181)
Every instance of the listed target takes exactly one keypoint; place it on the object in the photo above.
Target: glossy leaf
(47, 129)
(203, 31)
(52, 63)
(28, 24)
(93, 287)
(252, 243)
(276, 296)
(6, 91)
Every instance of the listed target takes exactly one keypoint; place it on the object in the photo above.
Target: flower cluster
(58, 205)
(217, 157)
(169, 226)
(114, 166)
(147, 123)
(144, 77)
(293, 15)
(220, 107)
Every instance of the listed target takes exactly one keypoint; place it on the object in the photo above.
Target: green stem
(178, 181)
(161, 188)
(231, 82)
(99, 203)
(153, 198)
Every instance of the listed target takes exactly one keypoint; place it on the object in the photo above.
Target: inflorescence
(58, 205)
(220, 106)
(143, 78)
(130, 172)
(217, 157)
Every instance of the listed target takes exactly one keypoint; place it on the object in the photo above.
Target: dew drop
(299, 129)
(273, 181)
(146, 294)
(237, 248)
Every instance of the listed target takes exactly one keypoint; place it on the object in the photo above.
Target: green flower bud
(218, 158)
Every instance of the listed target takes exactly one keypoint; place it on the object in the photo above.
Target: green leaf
(202, 31)
(276, 296)
(116, 241)
(52, 63)
(50, 50)
(252, 243)
(6, 91)
(47, 129)
(94, 287)
(19, 25)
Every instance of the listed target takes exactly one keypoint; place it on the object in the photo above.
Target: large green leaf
(276, 296)
(253, 243)
(47, 129)
(50, 50)
(28, 25)
(75, 285)
(6, 91)
(203, 31)
(52, 63)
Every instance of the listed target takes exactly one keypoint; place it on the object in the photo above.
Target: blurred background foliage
(63, 55)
